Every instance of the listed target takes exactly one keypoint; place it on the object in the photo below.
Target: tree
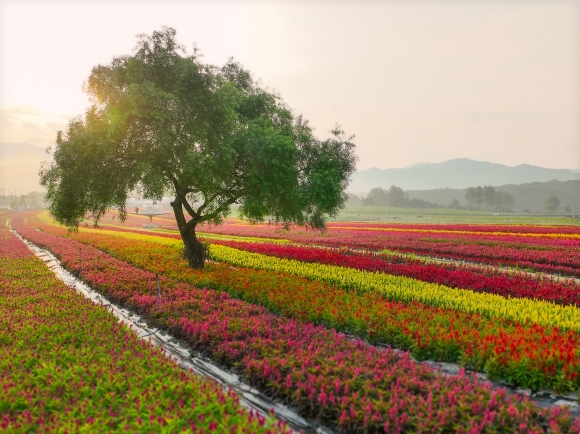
(378, 197)
(455, 204)
(567, 209)
(552, 203)
(396, 196)
(470, 197)
(489, 196)
(166, 123)
(504, 200)
(354, 200)
(478, 196)
(368, 201)
(510, 200)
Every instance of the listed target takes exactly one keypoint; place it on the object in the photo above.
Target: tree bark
(193, 250)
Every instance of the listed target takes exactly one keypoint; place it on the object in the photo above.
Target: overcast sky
(415, 81)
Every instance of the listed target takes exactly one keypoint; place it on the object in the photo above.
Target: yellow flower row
(134, 236)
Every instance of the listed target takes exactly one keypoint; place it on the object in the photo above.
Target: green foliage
(552, 203)
(377, 197)
(478, 195)
(489, 196)
(354, 200)
(394, 196)
(470, 197)
(166, 123)
(500, 199)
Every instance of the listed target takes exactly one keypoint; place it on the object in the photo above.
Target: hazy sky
(415, 81)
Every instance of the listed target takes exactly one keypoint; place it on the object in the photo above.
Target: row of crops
(274, 312)
(449, 325)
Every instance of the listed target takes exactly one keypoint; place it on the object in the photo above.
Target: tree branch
(188, 226)
(206, 202)
(189, 209)
(180, 193)
(218, 210)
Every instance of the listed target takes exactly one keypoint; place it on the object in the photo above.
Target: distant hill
(19, 164)
(458, 173)
(531, 196)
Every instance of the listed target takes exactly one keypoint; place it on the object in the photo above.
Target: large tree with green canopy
(162, 122)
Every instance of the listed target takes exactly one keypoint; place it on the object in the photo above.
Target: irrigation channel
(251, 398)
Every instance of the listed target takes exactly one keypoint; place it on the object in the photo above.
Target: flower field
(484, 279)
(528, 342)
(550, 249)
(347, 384)
(69, 366)
(466, 276)
(545, 251)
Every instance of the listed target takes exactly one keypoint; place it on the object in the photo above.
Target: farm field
(68, 366)
(268, 284)
(183, 251)
(536, 248)
(447, 216)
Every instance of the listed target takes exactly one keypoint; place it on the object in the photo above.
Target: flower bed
(524, 354)
(68, 366)
(478, 278)
(481, 279)
(539, 253)
(551, 249)
(349, 385)
(515, 229)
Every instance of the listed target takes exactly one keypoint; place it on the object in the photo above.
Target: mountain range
(20, 162)
(457, 173)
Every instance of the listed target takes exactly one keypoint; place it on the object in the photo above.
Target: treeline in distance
(476, 198)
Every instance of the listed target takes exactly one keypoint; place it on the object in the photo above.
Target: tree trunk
(193, 250)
